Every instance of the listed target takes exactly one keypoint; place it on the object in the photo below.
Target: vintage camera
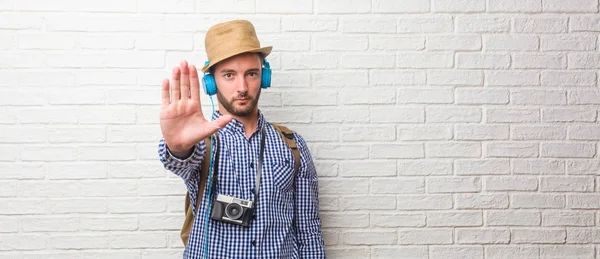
(232, 210)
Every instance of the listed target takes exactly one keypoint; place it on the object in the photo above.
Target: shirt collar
(235, 125)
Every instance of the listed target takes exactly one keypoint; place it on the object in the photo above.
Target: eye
(228, 75)
(253, 74)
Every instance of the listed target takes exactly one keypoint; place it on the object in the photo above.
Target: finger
(221, 121)
(166, 96)
(175, 85)
(185, 80)
(194, 84)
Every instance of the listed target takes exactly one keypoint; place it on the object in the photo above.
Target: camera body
(232, 210)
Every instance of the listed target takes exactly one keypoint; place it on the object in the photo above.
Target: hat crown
(230, 35)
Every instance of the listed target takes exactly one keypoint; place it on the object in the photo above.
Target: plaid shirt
(273, 232)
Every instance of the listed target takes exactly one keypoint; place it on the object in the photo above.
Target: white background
(440, 129)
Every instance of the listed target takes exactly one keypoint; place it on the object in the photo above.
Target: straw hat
(225, 40)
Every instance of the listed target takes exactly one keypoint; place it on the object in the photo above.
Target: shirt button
(253, 242)
(252, 190)
(251, 165)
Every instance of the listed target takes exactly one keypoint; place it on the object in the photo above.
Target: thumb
(222, 121)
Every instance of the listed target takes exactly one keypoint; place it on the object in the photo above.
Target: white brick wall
(440, 128)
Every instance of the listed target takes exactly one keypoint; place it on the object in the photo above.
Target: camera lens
(233, 211)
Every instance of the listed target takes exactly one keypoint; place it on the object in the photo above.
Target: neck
(249, 121)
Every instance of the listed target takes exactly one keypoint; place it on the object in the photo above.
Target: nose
(242, 85)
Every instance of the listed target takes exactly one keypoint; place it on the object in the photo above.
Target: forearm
(185, 164)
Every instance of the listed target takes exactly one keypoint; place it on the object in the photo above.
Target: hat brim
(264, 50)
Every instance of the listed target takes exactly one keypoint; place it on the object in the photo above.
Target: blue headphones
(210, 85)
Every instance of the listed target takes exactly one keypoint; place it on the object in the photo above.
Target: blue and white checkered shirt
(273, 232)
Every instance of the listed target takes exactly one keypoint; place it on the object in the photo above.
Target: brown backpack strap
(189, 215)
(288, 137)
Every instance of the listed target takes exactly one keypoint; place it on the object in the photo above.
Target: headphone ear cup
(209, 84)
(266, 76)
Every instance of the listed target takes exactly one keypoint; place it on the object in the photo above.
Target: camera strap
(258, 169)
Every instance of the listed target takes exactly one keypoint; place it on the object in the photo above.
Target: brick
(567, 42)
(456, 252)
(425, 167)
(288, 115)
(583, 167)
(583, 201)
(391, 6)
(482, 61)
(453, 184)
(79, 241)
(512, 218)
(566, 251)
(397, 151)
(343, 186)
(429, 24)
(567, 184)
(180, 42)
(512, 115)
(482, 166)
(373, 237)
(429, 236)
(373, 60)
(425, 202)
(563, 150)
(50, 224)
(583, 61)
(368, 25)
(523, 132)
(368, 203)
(109, 222)
(227, 6)
(340, 43)
(53, 189)
(567, 218)
(568, 78)
(386, 42)
(512, 78)
(15, 170)
(425, 60)
(137, 205)
(462, 6)
(397, 115)
(9, 224)
(107, 152)
(347, 253)
(272, 6)
(137, 240)
(45, 41)
(510, 42)
(345, 114)
(515, 6)
(84, 96)
(453, 114)
(537, 167)
(482, 24)
(21, 21)
(309, 98)
(425, 132)
(47, 153)
(452, 42)
(538, 236)
(23, 134)
(481, 132)
(453, 149)
(480, 96)
(455, 219)
(309, 61)
(367, 168)
(340, 6)
(308, 23)
(576, 6)
(584, 23)
(415, 252)
(339, 79)
(511, 149)
(455, 77)
(81, 205)
(481, 201)
(540, 25)
(511, 183)
(326, 203)
(22, 97)
(397, 220)
(540, 61)
(482, 236)
(522, 252)
(345, 220)
(381, 96)
(11, 242)
(392, 77)
(365, 133)
(417, 96)
(334, 151)
(541, 201)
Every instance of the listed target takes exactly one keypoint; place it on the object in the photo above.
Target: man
(284, 222)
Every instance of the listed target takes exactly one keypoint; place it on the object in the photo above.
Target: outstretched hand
(181, 120)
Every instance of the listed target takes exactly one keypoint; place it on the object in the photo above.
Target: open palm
(181, 120)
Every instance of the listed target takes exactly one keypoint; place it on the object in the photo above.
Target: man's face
(238, 83)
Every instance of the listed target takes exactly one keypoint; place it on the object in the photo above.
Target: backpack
(287, 136)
